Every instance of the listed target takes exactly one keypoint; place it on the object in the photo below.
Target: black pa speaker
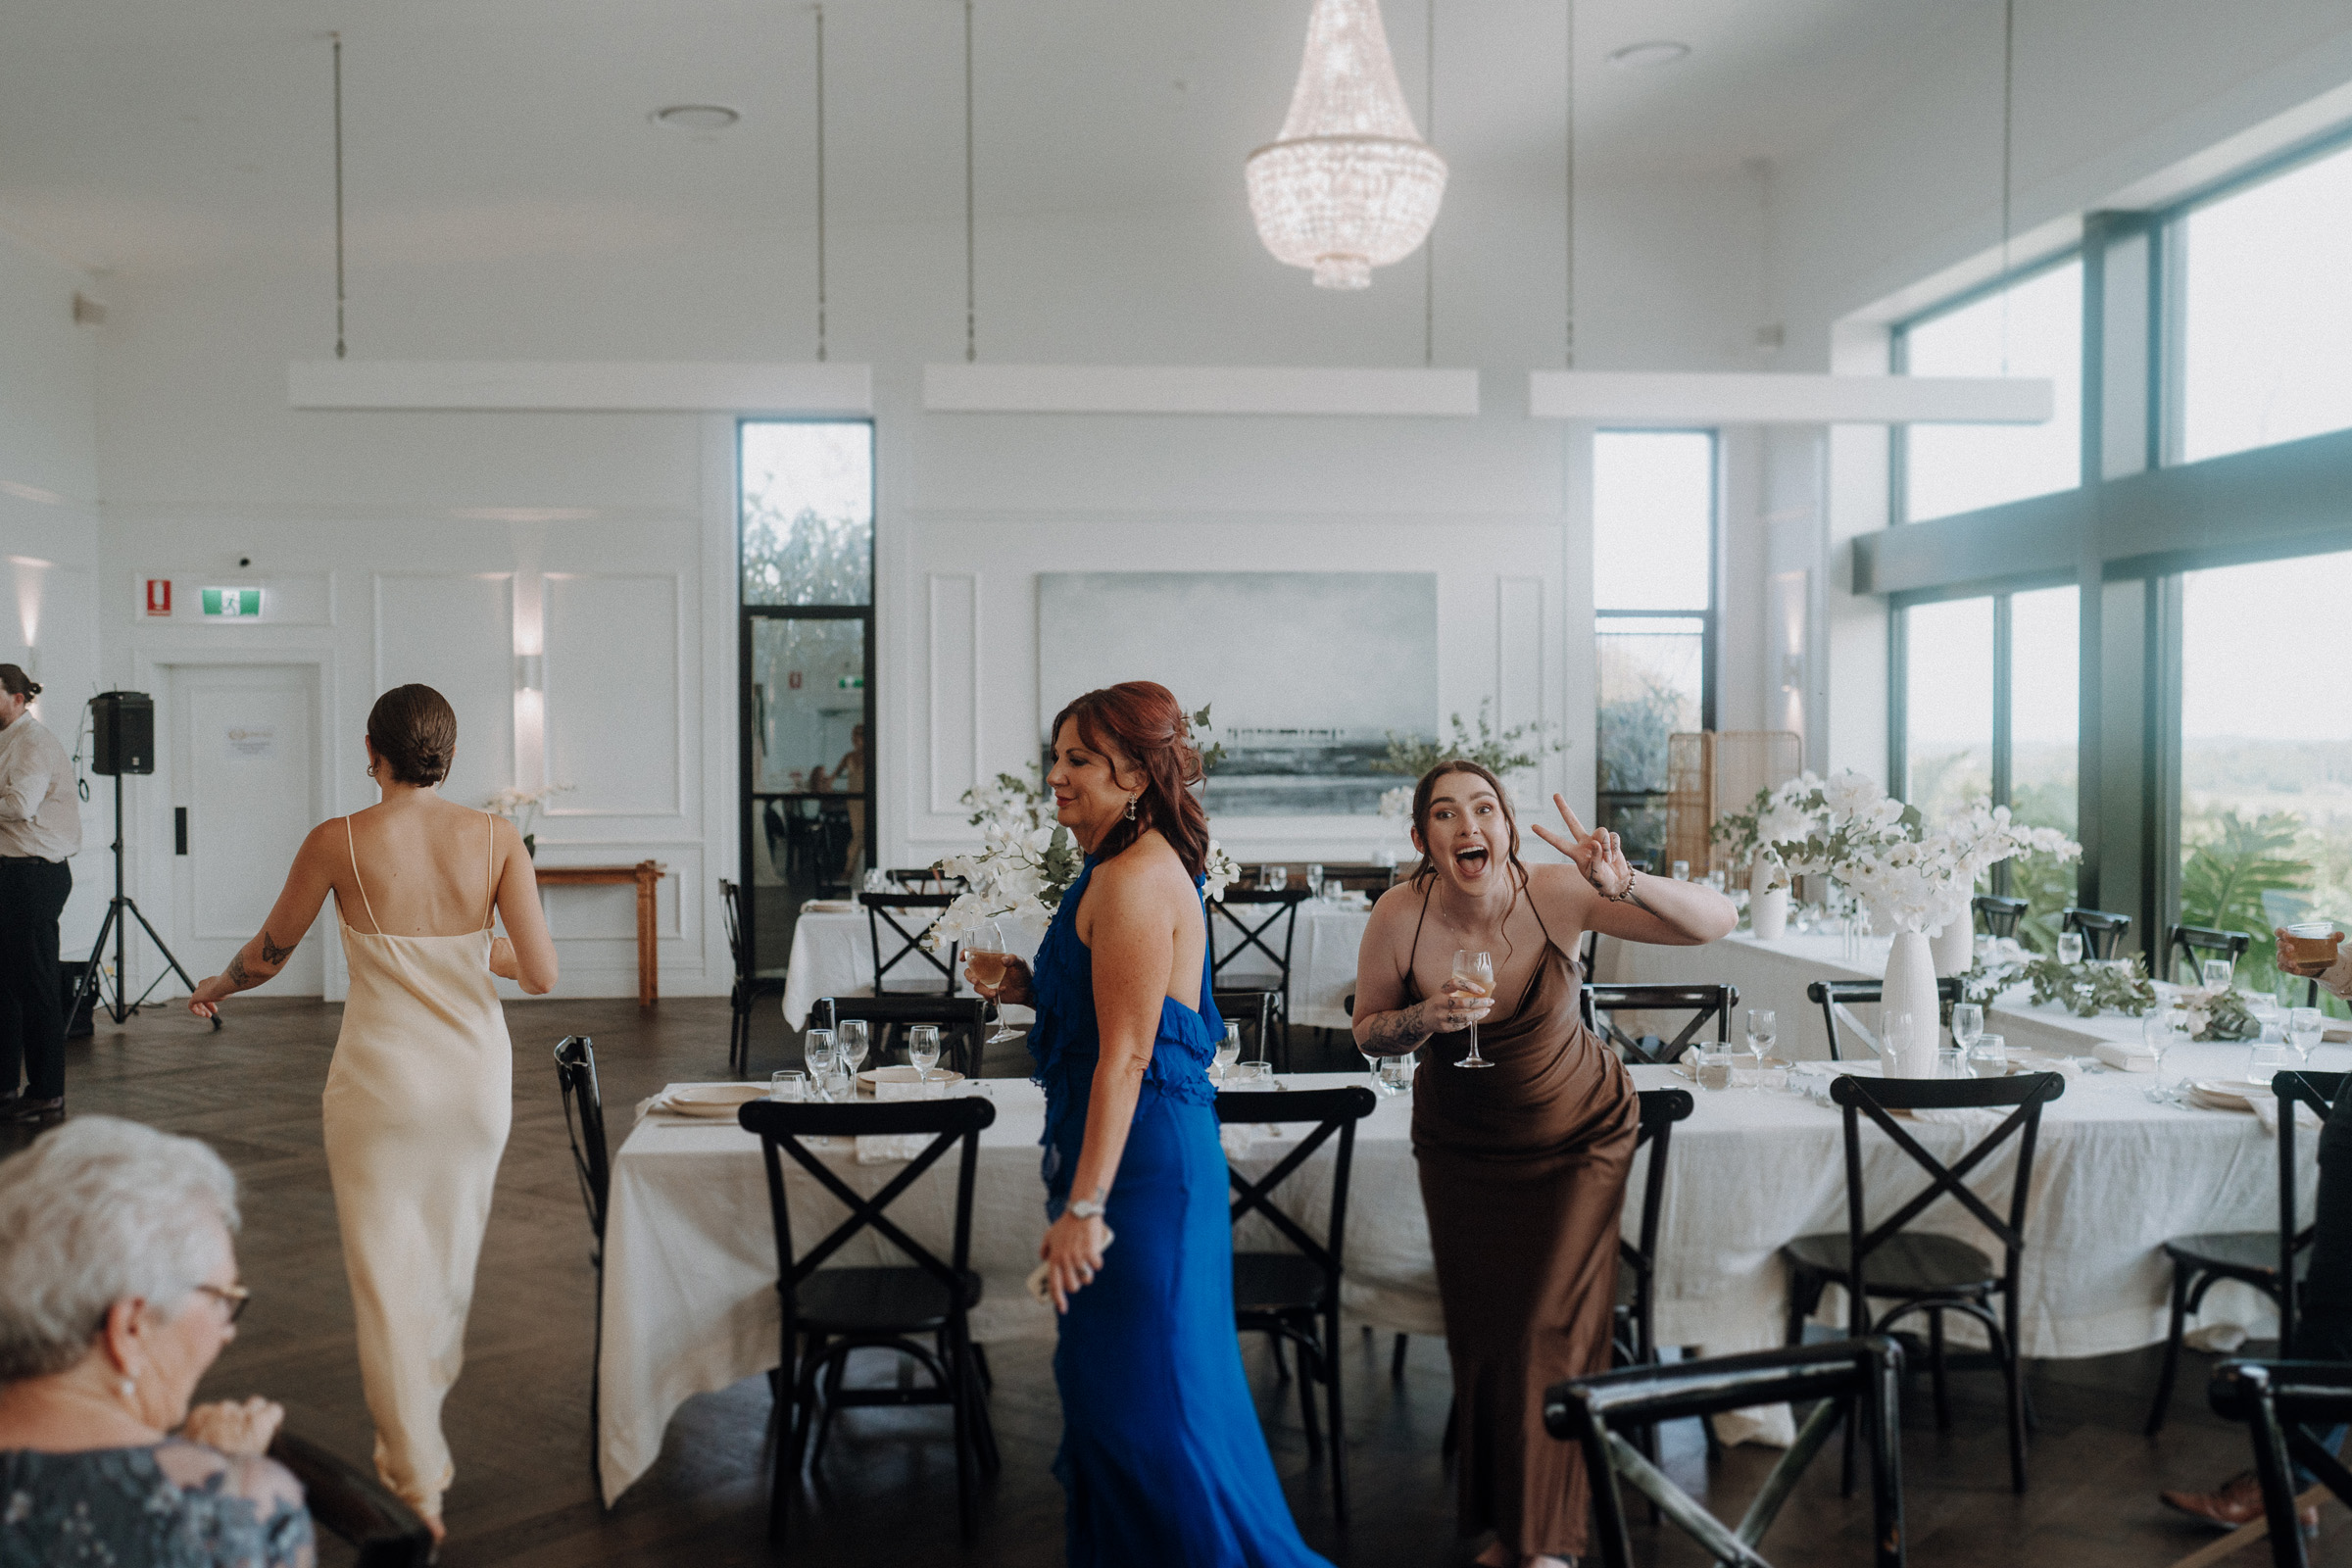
(123, 733)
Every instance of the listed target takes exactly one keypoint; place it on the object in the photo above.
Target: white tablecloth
(690, 1268)
(833, 955)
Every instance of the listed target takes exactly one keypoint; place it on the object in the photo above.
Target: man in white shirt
(40, 828)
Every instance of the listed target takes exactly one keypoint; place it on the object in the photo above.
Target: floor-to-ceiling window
(1948, 703)
(2263, 353)
(1653, 594)
(2031, 327)
(805, 492)
(2266, 747)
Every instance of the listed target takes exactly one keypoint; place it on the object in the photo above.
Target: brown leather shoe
(2237, 1501)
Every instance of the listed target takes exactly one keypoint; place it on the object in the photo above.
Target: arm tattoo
(271, 953)
(1393, 1034)
(236, 973)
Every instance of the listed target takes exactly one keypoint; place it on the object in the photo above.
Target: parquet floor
(518, 1420)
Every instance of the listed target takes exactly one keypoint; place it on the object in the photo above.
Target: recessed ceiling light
(696, 116)
(1648, 55)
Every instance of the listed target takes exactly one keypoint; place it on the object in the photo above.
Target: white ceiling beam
(582, 386)
(1195, 389)
(1770, 398)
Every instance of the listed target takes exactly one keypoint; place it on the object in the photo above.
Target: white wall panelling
(455, 633)
(615, 694)
(1519, 652)
(953, 690)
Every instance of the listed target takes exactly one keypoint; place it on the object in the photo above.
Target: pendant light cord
(971, 310)
(338, 65)
(1429, 134)
(2008, 169)
(1568, 206)
(820, 182)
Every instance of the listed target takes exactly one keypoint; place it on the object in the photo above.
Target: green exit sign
(851, 683)
(233, 603)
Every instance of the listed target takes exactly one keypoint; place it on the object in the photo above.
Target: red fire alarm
(794, 677)
(159, 596)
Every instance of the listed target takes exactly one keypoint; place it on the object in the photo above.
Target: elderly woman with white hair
(118, 1289)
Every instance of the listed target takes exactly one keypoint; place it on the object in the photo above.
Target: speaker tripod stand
(120, 911)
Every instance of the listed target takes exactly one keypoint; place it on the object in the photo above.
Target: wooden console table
(645, 873)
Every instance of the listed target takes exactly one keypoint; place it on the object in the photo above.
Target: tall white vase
(1767, 905)
(1910, 987)
(1955, 945)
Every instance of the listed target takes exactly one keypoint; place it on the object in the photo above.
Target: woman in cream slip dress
(418, 1097)
(417, 1102)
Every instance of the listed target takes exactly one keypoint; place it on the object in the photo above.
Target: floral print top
(175, 1505)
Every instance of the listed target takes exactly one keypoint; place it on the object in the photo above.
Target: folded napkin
(890, 1149)
(2266, 1111)
(829, 907)
(2036, 1062)
(1238, 1137)
(2124, 1054)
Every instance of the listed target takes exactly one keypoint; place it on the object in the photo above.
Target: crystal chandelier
(1349, 185)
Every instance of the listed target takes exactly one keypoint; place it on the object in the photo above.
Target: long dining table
(690, 1265)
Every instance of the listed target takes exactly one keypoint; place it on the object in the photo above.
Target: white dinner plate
(2228, 1094)
(708, 1099)
(867, 1079)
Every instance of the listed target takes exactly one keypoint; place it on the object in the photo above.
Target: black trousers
(32, 1016)
(2323, 1331)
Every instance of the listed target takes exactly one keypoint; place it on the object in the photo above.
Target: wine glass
(2217, 973)
(1762, 1029)
(922, 1052)
(1968, 1027)
(1229, 1052)
(2303, 1029)
(848, 1045)
(1278, 877)
(1314, 880)
(2159, 1032)
(817, 1050)
(991, 956)
(1474, 975)
(2070, 948)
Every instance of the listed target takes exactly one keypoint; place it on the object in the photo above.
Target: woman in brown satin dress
(1523, 1166)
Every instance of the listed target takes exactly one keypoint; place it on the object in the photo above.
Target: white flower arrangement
(520, 807)
(1397, 804)
(1846, 827)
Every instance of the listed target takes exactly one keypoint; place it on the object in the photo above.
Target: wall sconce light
(530, 672)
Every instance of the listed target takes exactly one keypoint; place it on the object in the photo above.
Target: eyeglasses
(236, 1297)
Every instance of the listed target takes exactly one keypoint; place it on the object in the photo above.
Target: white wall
(48, 529)
(400, 525)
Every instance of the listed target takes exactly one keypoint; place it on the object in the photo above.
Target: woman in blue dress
(1161, 1455)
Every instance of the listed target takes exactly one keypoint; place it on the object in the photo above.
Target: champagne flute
(922, 1050)
(1229, 1052)
(2157, 1032)
(991, 957)
(818, 1050)
(1474, 975)
(849, 1043)
(2303, 1029)
(1762, 1031)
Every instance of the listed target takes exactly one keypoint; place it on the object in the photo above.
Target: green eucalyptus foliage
(1500, 753)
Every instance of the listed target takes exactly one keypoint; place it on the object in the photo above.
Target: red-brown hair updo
(1142, 721)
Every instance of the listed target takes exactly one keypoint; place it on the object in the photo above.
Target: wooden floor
(518, 1420)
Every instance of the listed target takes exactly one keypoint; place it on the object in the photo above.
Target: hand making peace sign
(1598, 855)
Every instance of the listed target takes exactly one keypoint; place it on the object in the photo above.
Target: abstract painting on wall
(1307, 674)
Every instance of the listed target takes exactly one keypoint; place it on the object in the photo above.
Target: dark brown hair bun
(414, 733)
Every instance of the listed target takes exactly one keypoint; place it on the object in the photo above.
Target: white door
(244, 770)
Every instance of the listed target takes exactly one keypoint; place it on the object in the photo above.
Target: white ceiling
(139, 135)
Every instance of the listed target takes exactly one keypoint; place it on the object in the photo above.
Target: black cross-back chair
(1601, 1004)
(962, 1023)
(830, 1312)
(1256, 1011)
(1926, 1272)
(1295, 1295)
(886, 909)
(925, 879)
(2101, 931)
(2261, 1259)
(2280, 1402)
(2192, 944)
(1836, 996)
(1845, 1375)
(354, 1506)
(584, 1125)
(750, 983)
(1998, 916)
(1260, 917)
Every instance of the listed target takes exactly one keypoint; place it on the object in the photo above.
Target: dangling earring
(1131, 800)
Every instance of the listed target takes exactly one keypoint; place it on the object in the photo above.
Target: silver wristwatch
(1085, 1208)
